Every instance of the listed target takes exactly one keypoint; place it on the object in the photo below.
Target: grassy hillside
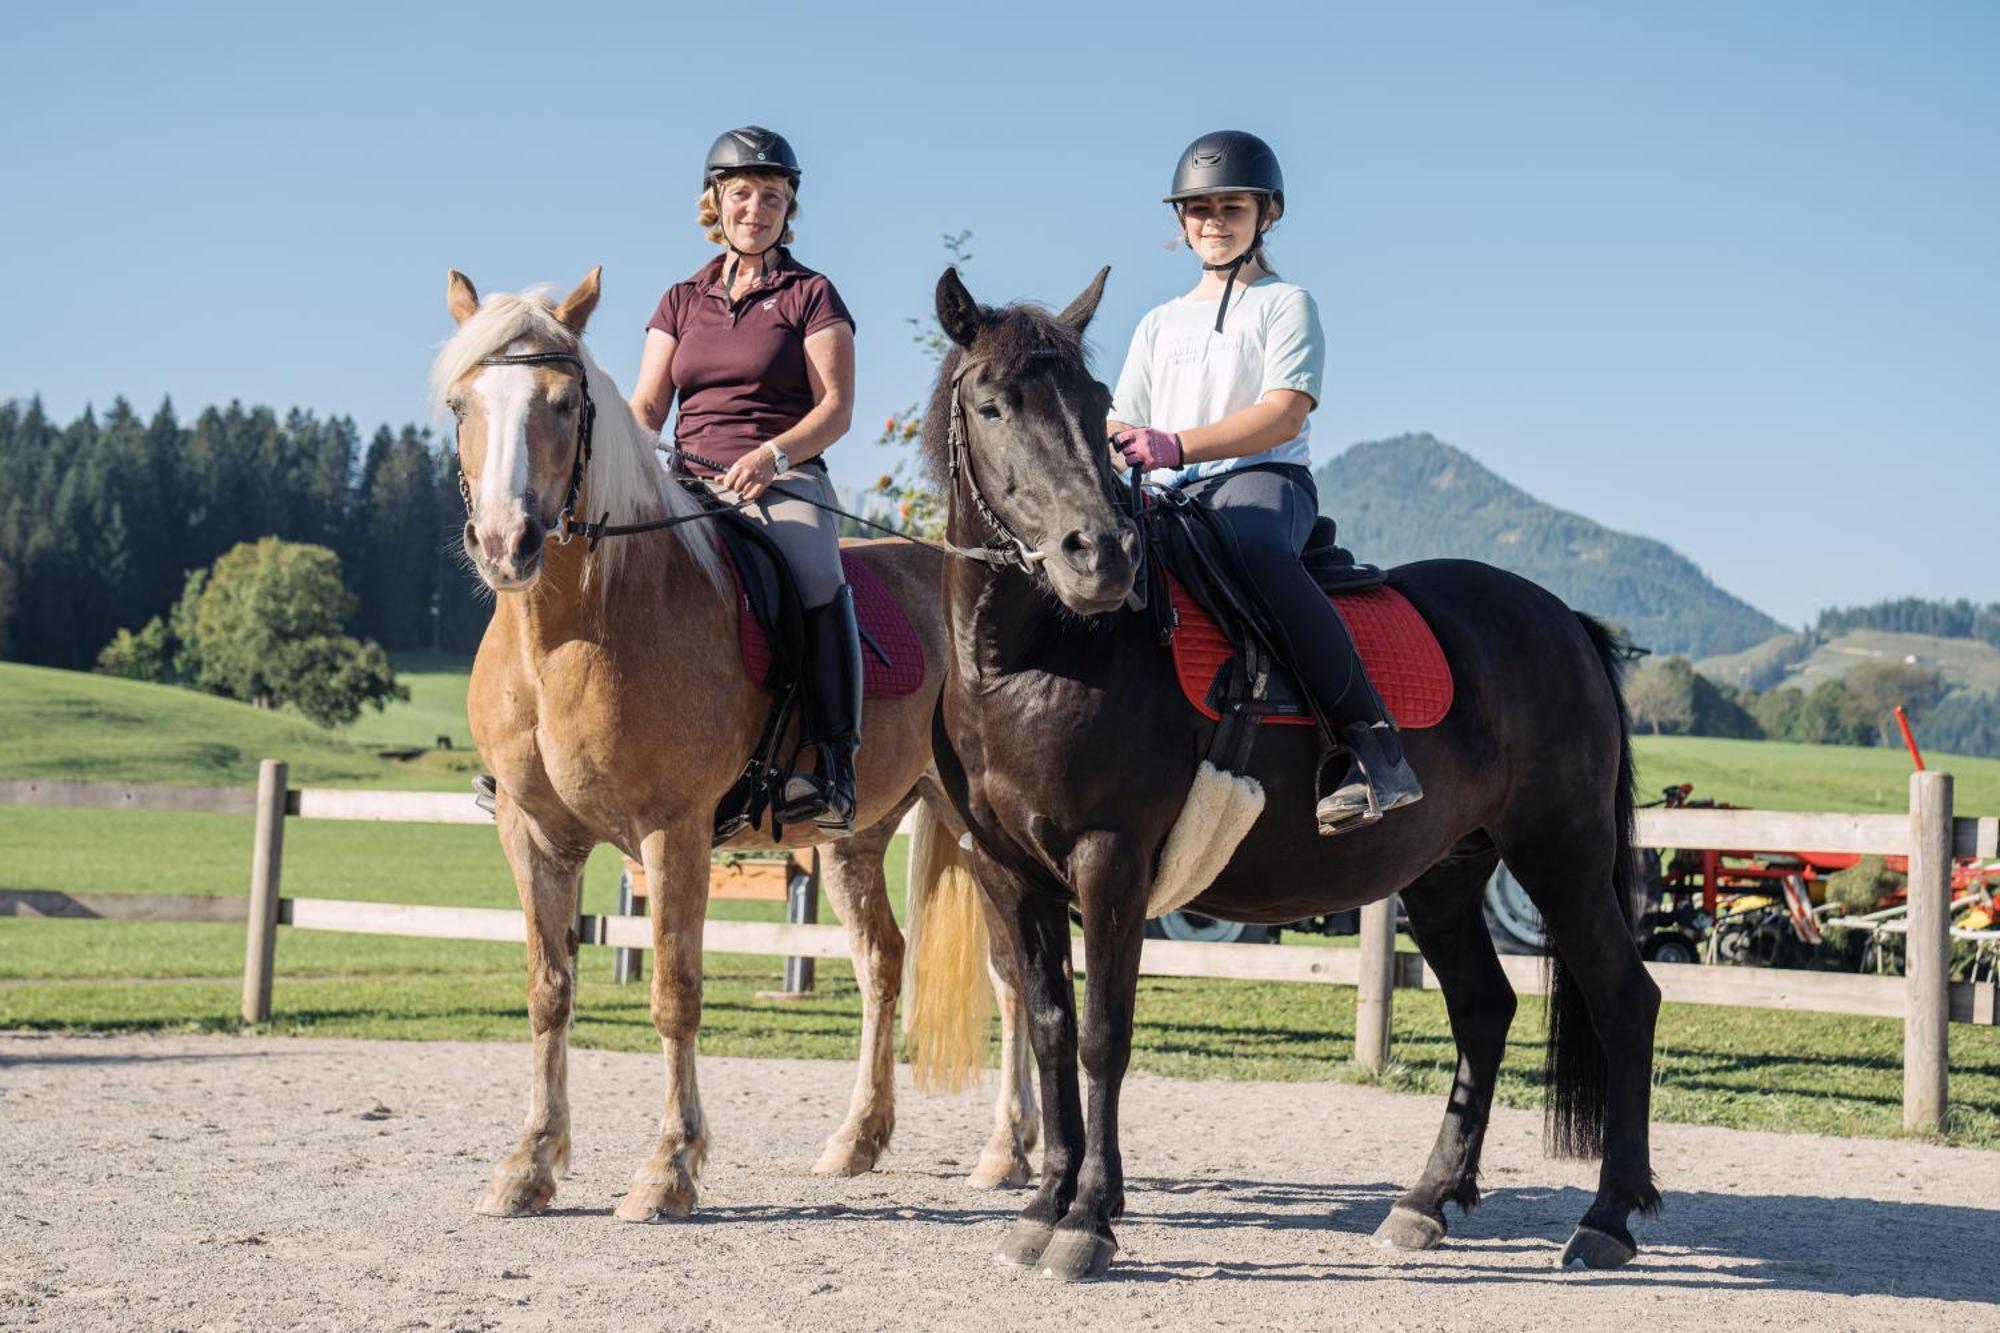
(72, 724)
(1799, 660)
(1416, 498)
(1777, 775)
(68, 724)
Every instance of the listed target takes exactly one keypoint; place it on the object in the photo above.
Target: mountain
(1417, 498)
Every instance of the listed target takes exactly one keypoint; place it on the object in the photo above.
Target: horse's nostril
(471, 537)
(527, 541)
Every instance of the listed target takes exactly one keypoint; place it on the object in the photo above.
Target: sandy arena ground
(221, 1183)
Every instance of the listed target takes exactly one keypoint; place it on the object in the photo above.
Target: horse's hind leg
(1602, 1008)
(1448, 920)
(525, 1180)
(676, 862)
(851, 873)
(1004, 1161)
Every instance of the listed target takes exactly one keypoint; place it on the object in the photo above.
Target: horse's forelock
(503, 318)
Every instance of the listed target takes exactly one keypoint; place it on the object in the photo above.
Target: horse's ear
(957, 312)
(459, 296)
(1078, 314)
(575, 310)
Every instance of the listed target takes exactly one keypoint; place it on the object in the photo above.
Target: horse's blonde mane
(624, 477)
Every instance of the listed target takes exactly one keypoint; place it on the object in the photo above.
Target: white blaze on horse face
(503, 509)
(506, 392)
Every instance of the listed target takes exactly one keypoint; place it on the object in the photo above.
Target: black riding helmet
(1229, 162)
(752, 148)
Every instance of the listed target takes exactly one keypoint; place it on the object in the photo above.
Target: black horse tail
(1576, 1074)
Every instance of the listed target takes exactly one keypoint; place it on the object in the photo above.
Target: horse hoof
(999, 1170)
(649, 1201)
(512, 1194)
(1078, 1256)
(1598, 1249)
(846, 1159)
(1407, 1229)
(1023, 1244)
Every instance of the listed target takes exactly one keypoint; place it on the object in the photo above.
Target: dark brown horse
(1069, 750)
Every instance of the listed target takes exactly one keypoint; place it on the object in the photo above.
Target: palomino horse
(1071, 752)
(612, 706)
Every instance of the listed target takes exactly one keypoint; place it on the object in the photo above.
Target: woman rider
(1214, 399)
(760, 351)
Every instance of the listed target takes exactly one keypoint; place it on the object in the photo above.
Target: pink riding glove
(1146, 448)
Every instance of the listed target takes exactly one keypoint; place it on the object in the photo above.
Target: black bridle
(566, 528)
(1009, 549)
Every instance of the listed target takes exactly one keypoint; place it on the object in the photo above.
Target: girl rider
(760, 350)
(1214, 399)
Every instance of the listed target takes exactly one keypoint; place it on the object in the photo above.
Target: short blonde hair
(710, 217)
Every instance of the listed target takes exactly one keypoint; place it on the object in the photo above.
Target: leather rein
(1008, 551)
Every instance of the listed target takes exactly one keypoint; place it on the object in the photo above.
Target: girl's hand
(751, 474)
(1146, 448)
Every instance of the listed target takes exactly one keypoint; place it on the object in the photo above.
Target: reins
(1008, 551)
(567, 529)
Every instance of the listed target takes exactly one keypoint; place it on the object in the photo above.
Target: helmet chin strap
(1235, 266)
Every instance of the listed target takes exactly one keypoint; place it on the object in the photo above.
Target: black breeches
(1269, 511)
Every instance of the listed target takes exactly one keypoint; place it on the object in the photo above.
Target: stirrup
(486, 794)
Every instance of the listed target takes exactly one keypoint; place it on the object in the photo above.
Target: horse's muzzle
(1093, 573)
(507, 552)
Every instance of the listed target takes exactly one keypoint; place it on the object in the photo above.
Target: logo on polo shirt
(771, 302)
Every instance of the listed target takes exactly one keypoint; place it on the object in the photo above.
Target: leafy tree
(147, 655)
(1963, 723)
(1874, 689)
(914, 505)
(1660, 696)
(265, 626)
(1778, 711)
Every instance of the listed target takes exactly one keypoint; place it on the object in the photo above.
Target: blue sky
(1724, 274)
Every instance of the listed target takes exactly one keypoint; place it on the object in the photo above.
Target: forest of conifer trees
(101, 521)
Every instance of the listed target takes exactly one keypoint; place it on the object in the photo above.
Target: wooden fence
(1925, 998)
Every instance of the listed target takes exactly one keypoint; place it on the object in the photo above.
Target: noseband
(586, 421)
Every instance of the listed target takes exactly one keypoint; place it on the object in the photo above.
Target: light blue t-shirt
(1180, 373)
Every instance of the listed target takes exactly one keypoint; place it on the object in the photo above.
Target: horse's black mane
(1010, 337)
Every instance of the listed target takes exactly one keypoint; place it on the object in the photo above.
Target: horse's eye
(989, 411)
(457, 406)
(566, 404)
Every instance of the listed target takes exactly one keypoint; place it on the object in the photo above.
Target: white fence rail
(1925, 999)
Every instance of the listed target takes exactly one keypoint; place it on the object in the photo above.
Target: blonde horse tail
(947, 993)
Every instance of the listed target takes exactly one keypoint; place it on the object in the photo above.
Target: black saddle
(1185, 539)
(773, 595)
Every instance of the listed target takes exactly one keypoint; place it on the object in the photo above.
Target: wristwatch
(778, 456)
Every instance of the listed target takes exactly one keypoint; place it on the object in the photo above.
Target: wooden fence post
(1927, 958)
(266, 864)
(1374, 995)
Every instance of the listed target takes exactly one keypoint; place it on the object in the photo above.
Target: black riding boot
(833, 705)
(1378, 778)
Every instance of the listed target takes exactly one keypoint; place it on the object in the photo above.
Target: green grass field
(1743, 1068)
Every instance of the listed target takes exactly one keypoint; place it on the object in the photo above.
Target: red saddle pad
(1398, 651)
(882, 620)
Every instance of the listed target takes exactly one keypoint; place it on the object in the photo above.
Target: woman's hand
(1146, 448)
(751, 474)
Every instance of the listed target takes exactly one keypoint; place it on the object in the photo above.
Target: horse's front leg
(852, 875)
(1111, 891)
(676, 864)
(546, 878)
(1038, 924)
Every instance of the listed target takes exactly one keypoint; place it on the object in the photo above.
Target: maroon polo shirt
(740, 369)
